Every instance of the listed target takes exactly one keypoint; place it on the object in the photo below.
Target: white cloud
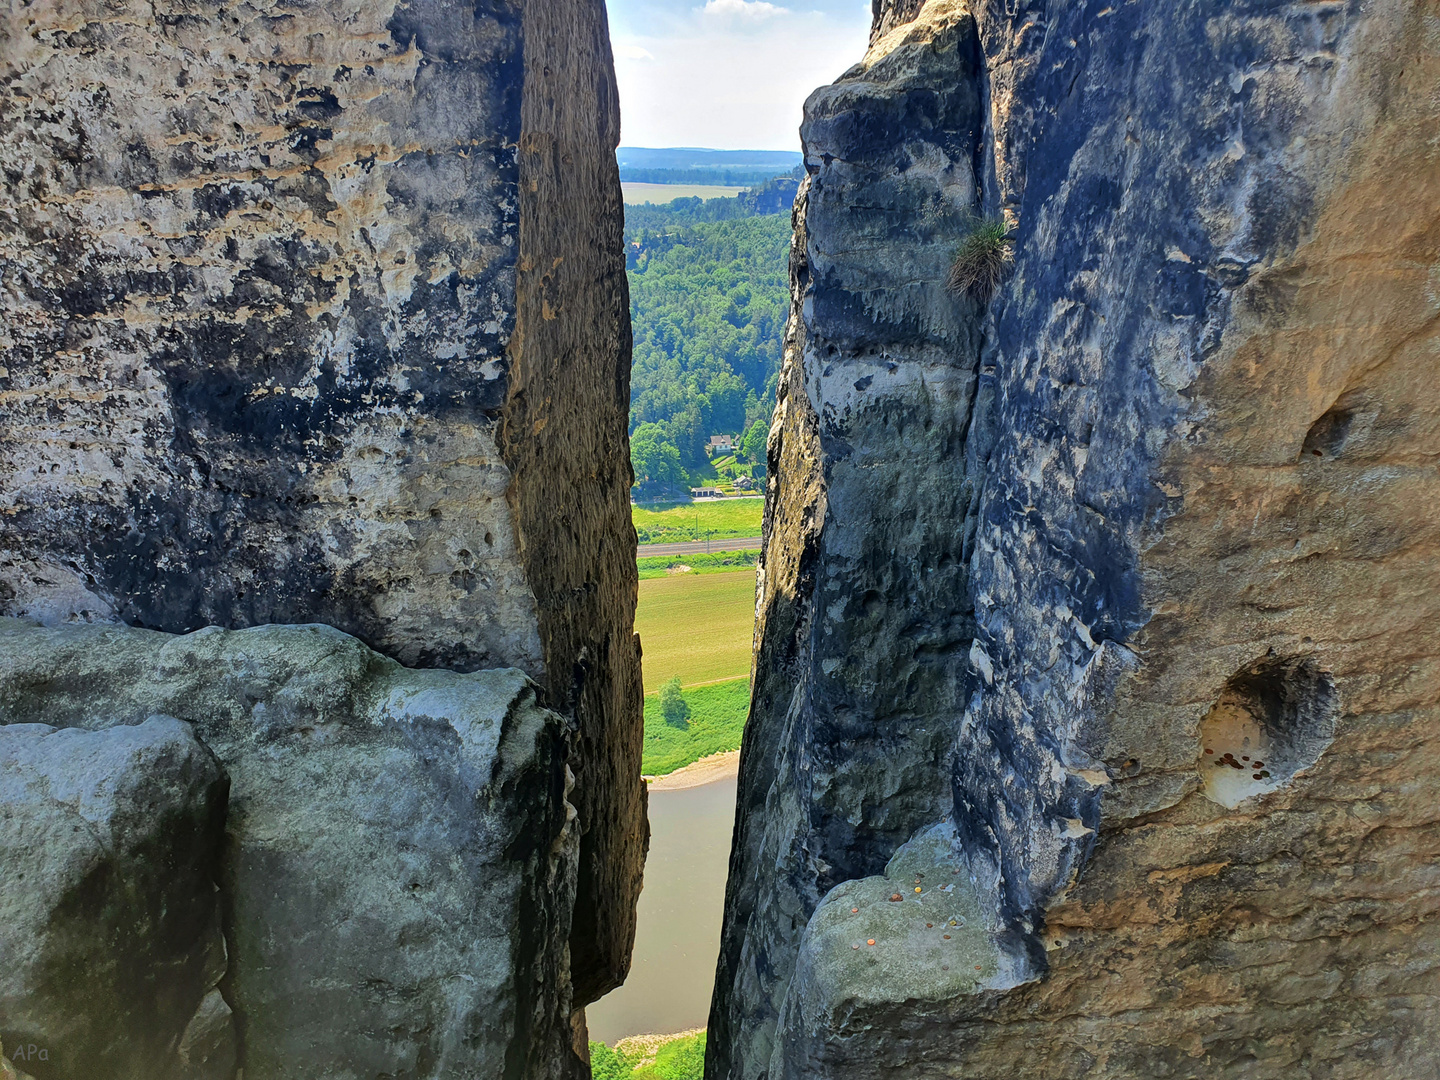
(733, 74)
(754, 10)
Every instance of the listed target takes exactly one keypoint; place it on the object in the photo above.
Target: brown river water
(677, 937)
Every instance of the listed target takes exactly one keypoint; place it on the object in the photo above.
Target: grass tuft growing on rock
(982, 260)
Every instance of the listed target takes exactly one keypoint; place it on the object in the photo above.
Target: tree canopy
(708, 303)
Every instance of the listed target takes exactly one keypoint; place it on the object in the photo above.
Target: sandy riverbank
(707, 770)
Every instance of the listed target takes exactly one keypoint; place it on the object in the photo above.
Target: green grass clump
(681, 1058)
(670, 523)
(982, 260)
(716, 722)
(720, 562)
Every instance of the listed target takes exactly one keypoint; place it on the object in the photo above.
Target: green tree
(752, 443)
(607, 1064)
(687, 431)
(654, 457)
(673, 705)
(708, 303)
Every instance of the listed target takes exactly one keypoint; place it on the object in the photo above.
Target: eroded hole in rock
(1272, 720)
(1327, 435)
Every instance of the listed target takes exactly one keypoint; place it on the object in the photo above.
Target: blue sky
(731, 74)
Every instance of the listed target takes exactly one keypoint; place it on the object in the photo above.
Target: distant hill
(774, 196)
(708, 304)
(709, 296)
(685, 165)
(685, 157)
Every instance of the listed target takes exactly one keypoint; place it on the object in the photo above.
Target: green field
(721, 562)
(717, 719)
(636, 192)
(670, 523)
(696, 626)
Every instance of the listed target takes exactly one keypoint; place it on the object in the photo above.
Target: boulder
(110, 846)
(398, 861)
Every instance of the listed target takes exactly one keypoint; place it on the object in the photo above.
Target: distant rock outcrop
(1118, 592)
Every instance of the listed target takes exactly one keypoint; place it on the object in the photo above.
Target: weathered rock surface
(260, 281)
(9, 1070)
(865, 623)
(110, 942)
(319, 316)
(886, 15)
(399, 857)
(565, 436)
(1204, 438)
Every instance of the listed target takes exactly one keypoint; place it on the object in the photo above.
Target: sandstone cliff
(318, 315)
(1097, 653)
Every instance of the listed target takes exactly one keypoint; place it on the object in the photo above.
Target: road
(693, 547)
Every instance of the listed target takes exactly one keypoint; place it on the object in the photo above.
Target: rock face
(397, 867)
(1174, 661)
(260, 286)
(320, 316)
(886, 15)
(110, 918)
(564, 433)
(870, 500)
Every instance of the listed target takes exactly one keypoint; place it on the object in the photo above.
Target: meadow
(696, 626)
(716, 722)
(651, 1057)
(668, 523)
(719, 562)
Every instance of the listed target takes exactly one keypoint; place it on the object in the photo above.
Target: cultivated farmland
(696, 626)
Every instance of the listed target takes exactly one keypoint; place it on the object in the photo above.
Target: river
(677, 937)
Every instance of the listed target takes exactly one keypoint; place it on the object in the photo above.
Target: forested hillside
(736, 177)
(708, 302)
